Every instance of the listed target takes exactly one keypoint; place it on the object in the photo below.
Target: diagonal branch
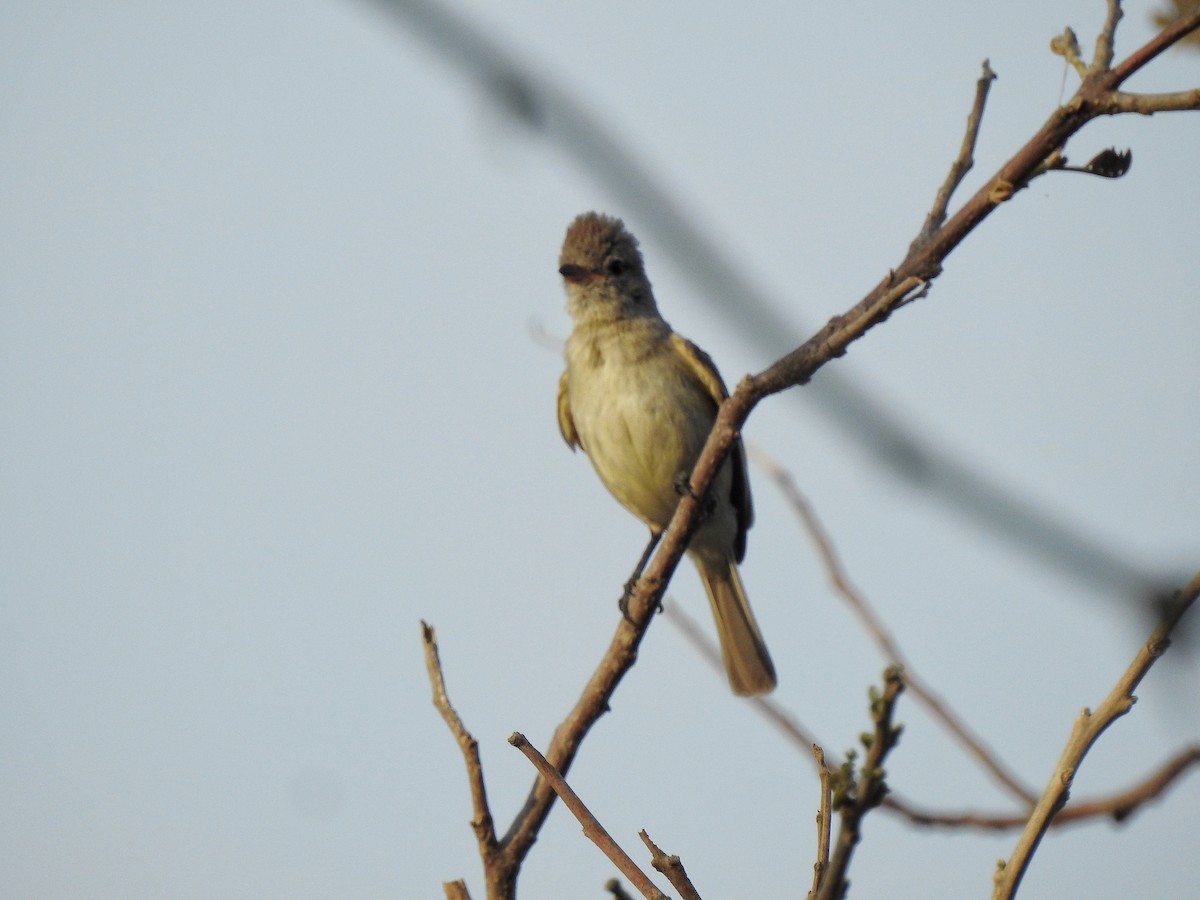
(1160, 43)
(1088, 728)
(481, 821)
(962, 163)
(592, 828)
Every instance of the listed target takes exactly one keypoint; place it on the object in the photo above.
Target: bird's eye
(615, 267)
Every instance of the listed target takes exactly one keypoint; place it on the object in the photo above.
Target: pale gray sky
(271, 279)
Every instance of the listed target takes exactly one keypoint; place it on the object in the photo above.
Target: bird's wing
(702, 368)
(566, 424)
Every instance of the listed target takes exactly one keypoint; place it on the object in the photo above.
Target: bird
(640, 400)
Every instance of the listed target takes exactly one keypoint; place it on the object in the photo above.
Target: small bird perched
(641, 400)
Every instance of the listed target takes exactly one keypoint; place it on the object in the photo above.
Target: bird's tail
(747, 662)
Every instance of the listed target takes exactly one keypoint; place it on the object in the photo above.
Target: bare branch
(1118, 807)
(672, 867)
(824, 817)
(1149, 104)
(456, 890)
(481, 821)
(1160, 43)
(1103, 57)
(962, 163)
(1088, 728)
(591, 825)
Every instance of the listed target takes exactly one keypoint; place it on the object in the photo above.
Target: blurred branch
(456, 890)
(542, 106)
(592, 828)
(1181, 8)
(1117, 807)
(881, 636)
(1088, 728)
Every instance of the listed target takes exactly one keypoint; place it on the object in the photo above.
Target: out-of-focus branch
(1088, 728)
(592, 828)
(456, 890)
(1117, 807)
(879, 632)
(545, 108)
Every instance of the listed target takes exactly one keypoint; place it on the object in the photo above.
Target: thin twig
(591, 825)
(824, 816)
(672, 867)
(1103, 57)
(1118, 807)
(879, 633)
(1088, 728)
(962, 163)
(1149, 104)
(481, 821)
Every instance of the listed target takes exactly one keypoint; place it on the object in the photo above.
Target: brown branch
(1088, 728)
(672, 867)
(592, 828)
(824, 817)
(456, 890)
(1160, 43)
(902, 285)
(855, 800)
(1149, 104)
(481, 821)
(1118, 807)
(962, 163)
(1103, 57)
(879, 633)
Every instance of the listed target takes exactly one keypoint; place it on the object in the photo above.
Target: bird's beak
(574, 274)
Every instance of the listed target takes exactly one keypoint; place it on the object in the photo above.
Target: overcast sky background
(275, 290)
